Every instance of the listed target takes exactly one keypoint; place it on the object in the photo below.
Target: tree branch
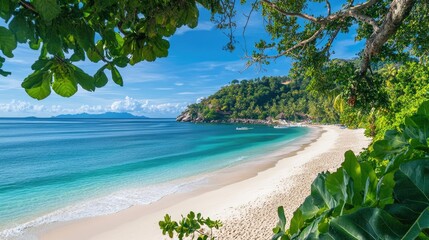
(331, 39)
(28, 5)
(363, 18)
(398, 11)
(328, 6)
(363, 5)
(300, 44)
(290, 14)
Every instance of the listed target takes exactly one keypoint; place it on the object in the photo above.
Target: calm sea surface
(63, 169)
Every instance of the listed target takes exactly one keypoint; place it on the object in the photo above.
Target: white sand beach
(245, 202)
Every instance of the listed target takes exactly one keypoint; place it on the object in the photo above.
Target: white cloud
(199, 99)
(202, 26)
(179, 84)
(145, 106)
(128, 104)
(164, 88)
(188, 93)
(20, 106)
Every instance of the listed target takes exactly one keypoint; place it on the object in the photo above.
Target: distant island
(102, 115)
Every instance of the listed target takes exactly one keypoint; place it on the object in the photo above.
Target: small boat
(242, 128)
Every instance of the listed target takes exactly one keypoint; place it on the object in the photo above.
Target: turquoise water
(62, 169)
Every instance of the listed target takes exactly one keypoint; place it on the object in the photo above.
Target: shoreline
(142, 221)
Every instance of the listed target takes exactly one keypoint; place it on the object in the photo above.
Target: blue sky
(195, 68)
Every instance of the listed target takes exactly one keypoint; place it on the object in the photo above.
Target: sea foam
(109, 204)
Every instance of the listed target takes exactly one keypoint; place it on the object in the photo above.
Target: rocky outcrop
(185, 116)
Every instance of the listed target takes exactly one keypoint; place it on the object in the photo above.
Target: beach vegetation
(354, 203)
(192, 226)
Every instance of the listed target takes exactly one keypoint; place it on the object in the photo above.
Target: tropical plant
(276, 97)
(115, 33)
(355, 203)
(190, 226)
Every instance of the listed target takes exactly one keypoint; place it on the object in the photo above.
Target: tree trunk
(399, 10)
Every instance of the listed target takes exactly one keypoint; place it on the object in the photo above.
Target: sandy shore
(246, 203)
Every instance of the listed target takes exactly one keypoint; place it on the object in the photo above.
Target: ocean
(63, 169)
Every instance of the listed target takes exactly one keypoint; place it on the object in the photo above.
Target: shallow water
(56, 170)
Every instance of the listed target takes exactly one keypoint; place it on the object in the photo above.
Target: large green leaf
(64, 85)
(53, 42)
(366, 223)
(21, 28)
(48, 9)
(116, 76)
(314, 205)
(86, 81)
(417, 127)
(336, 184)
(43, 90)
(7, 42)
(34, 79)
(100, 78)
(279, 230)
(385, 190)
(392, 144)
(422, 223)
(40, 64)
(411, 190)
(424, 109)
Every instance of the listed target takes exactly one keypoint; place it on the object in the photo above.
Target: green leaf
(121, 61)
(6, 8)
(43, 90)
(422, 223)
(85, 81)
(336, 184)
(33, 80)
(385, 190)
(34, 44)
(424, 109)
(53, 42)
(21, 28)
(116, 76)
(297, 222)
(417, 127)
(100, 78)
(40, 63)
(366, 223)
(282, 218)
(148, 54)
(4, 73)
(64, 84)
(48, 9)
(84, 36)
(319, 202)
(411, 190)
(7, 42)
(93, 55)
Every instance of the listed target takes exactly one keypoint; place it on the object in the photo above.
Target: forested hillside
(275, 97)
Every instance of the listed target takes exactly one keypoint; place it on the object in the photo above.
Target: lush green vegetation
(276, 97)
(115, 33)
(356, 203)
(381, 194)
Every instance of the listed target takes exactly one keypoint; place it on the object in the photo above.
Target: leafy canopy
(115, 33)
